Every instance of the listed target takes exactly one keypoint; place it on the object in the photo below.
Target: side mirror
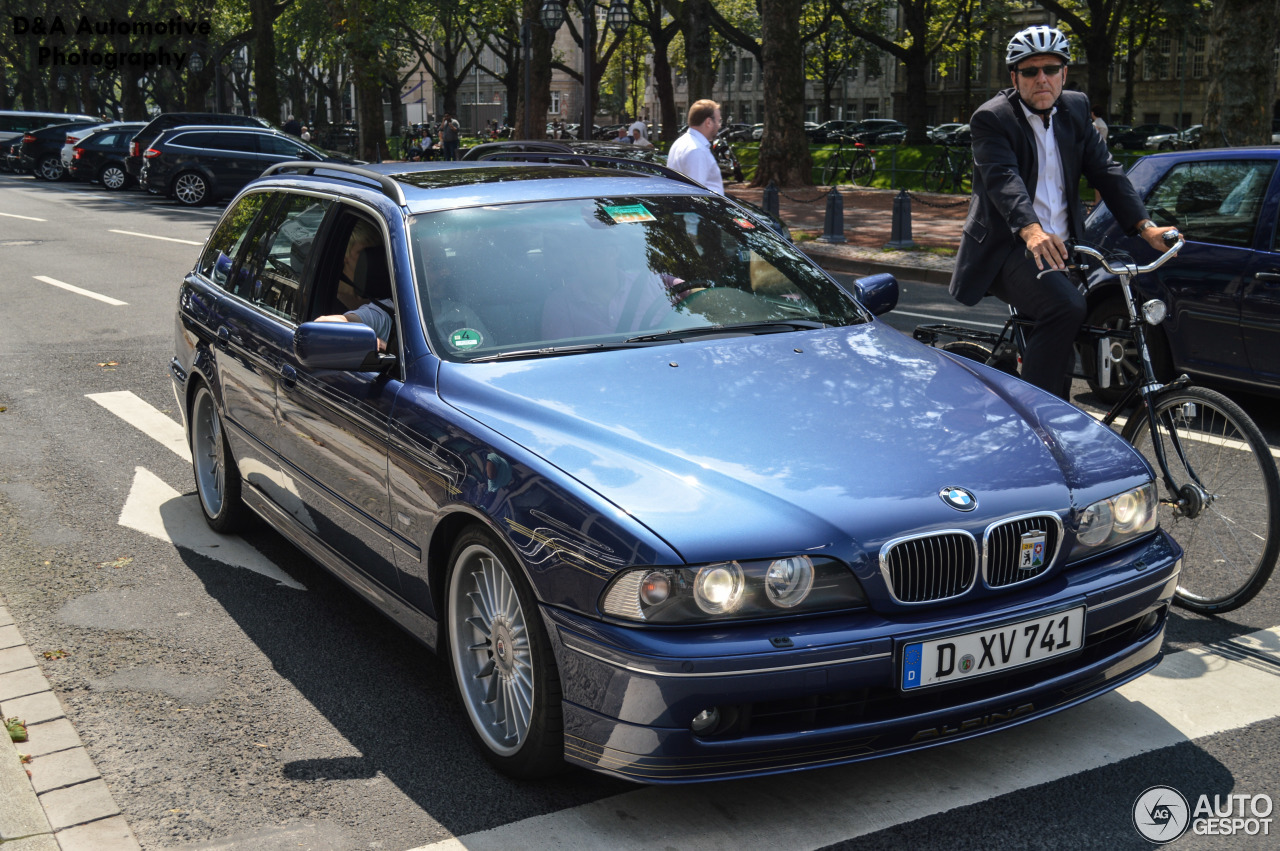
(336, 345)
(877, 293)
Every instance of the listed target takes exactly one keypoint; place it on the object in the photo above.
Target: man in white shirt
(691, 153)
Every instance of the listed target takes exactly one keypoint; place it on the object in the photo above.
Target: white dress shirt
(1050, 201)
(691, 156)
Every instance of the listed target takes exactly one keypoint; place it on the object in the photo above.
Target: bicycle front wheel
(1226, 478)
(863, 169)
(832, 170)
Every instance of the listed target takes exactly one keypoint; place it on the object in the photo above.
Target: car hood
(753, 446)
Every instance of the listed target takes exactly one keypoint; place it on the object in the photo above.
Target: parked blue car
(1223, 291)
(669, 502)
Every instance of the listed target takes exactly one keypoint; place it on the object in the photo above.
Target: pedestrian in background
(691, 153)
(293, 127)
(305, 135)
(448, 138)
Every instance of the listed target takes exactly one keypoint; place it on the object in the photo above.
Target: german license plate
(976, 654)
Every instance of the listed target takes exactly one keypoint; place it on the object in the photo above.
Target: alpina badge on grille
(1032, 555)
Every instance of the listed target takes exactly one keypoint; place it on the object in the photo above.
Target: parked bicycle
(951, 170)
(851, 160)
(1221, 489)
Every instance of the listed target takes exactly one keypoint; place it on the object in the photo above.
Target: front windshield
(520, 279)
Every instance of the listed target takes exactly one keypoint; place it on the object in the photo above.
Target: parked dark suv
(14, 123)
(42, 149)
(197, 164)
(166, 120)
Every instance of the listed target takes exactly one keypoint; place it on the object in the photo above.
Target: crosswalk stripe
(1193, 694)
(142, 416)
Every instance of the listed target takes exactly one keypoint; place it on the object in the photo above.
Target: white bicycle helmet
(1037, 41)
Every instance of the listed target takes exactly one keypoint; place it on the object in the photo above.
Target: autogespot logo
(1160, 814)
(959, 498)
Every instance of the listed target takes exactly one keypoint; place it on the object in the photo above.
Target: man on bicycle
(1031, 145)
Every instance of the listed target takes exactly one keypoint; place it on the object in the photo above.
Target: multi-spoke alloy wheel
(502, 662)
(190, 189)
(217, 478)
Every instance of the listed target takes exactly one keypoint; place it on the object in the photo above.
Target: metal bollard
(770, 199)
(833, 227)
(900, 236)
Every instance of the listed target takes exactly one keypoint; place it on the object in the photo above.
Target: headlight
(1118, 519)
(1154, 311)
(732, 590)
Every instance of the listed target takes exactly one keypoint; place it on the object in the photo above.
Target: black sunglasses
(1032, 73)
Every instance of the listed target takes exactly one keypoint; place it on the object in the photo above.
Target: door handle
(1268, 277)
(288, 376)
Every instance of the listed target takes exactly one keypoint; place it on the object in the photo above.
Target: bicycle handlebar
(1131, 269)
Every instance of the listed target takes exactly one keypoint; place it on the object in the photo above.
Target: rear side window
(275, 266)
(196, 140)
(227, 241)
(1213, 201)
(237, 142)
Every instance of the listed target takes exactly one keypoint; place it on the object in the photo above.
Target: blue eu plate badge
(911, 660)
(1032, 555)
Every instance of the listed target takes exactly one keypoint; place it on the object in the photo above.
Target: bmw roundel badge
(959, 498)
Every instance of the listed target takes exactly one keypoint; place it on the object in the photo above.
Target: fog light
(718, 588)
(705, 721)
(1154, 311)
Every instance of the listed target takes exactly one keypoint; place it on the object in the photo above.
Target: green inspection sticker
(630, 213)
(465, 338)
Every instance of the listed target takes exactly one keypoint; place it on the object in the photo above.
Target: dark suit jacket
(1004, 183)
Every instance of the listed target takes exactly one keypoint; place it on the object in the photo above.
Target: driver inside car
(364, 284)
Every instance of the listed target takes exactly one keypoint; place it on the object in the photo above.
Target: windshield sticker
(466, 338)
(746, 223)
(630, 213)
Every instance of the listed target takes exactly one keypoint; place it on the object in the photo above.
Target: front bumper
(833, 697)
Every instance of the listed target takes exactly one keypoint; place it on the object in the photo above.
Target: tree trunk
(666, 96)
(696, 27)
(264, 59)
(539, 78)
(784, 149)
(373, 135)
(1242, 80)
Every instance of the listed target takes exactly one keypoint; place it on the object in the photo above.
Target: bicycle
(1221, 490)
(951, 170)
(857, 162)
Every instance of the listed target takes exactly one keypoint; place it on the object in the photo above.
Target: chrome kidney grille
(942, 565)
(930, 567)
(1002, 551)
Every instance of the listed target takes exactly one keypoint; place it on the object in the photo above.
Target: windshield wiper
(548, 351)
(770, 327)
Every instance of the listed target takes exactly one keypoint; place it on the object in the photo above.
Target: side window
(224, 246)
(276, 145)
(273, 272)
(195, 140)
(237, 142)
(1216, 201)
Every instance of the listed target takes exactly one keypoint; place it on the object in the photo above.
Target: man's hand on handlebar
(1047, 249)
(1155, 237)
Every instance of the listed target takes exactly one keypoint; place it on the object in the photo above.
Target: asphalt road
(245, 699)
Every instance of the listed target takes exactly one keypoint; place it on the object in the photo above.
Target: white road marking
(158, 510)
(967, 322)
(1193, 694)
(1213, 440)
(115, 302)
(153, 236)
(28, 218)
(142, 416)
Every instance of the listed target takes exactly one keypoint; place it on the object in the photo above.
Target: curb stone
(72, 794)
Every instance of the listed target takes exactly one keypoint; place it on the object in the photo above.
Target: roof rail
(390, 187)
(625, 163)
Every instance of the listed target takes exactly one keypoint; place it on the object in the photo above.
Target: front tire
(1230, 545)
(502, 661)
(217, 477)
(831, 171)
(190, 189)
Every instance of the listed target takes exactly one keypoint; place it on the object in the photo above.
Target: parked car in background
(1189, 138)
(198, 164)
(824, 133)
(880, 131)
(668, 501)
(757, 132)
(1223, 290)
(1115, 131)
(100, 157)
(943, 132)
(166, 120)
(1135, 138)
(42, 149)
(15, 123)
(735, 132)
(74, 136)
